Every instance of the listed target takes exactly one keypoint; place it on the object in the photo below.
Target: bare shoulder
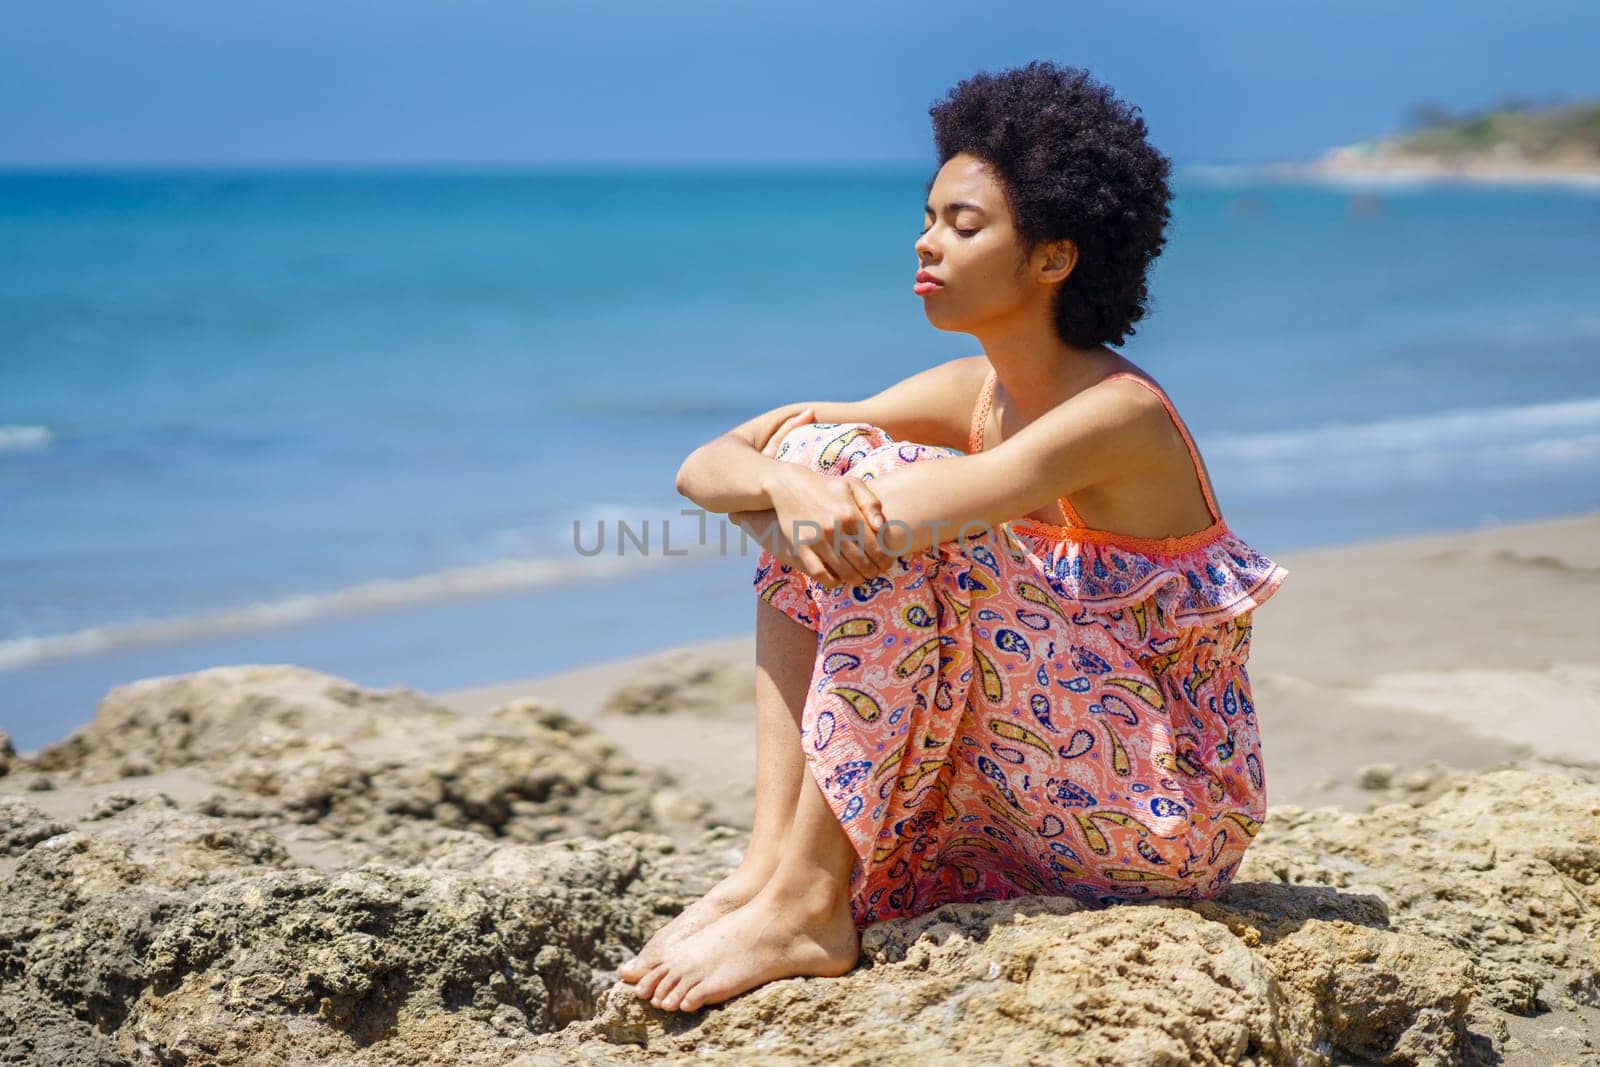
(1136, 404)
(1115, 426)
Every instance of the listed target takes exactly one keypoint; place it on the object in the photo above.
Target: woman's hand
(826, 526)
(799, 418)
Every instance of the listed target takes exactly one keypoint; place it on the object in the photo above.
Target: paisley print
(1021, 712)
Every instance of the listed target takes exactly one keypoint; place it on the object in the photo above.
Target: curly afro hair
(1075, 164)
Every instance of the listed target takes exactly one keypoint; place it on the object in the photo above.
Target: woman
(1008, 655)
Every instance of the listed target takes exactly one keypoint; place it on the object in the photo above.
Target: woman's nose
(925, 247)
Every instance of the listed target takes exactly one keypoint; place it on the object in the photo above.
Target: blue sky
(764, 82)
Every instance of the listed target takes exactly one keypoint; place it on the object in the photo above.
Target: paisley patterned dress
(1032, 709)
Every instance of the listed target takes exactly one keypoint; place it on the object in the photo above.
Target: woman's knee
(860, 448)
(832, 447)
(897, 454)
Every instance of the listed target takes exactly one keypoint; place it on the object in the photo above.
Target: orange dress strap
(980, 413)
(980, 423)
(1082, 531)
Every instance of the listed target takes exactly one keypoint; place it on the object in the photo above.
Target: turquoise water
(348, 420)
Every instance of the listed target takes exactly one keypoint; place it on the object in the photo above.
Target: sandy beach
(271, 864)
(1355, 165)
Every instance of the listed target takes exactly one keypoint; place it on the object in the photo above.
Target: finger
(876, 534)
(867, 502)
(860, 560)
(799, 418)
(842, 554)
(881, 557)
(828, 550)
(771, 447)
(817, 570)
(874, 508)
(823, 572)
(858, 547)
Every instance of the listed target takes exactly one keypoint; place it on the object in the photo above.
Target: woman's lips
(926, 283)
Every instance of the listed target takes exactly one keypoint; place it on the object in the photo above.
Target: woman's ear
(1058, 258)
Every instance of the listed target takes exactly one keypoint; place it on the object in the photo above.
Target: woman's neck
(1035, 378)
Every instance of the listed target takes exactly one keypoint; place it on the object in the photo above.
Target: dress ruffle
(1202, 586)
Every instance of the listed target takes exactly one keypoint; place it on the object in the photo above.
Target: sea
(419, 427)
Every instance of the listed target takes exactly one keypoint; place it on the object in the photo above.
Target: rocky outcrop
(158, 935)
(687, 682)
(366, 774)
(267, 864)
(1409, 934)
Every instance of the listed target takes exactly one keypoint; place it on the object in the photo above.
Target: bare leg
(786, 654)
(798, 924)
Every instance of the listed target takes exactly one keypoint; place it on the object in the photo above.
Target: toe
(651, 979)
(674, 996)
(691, 999)
(714, 990)
(663, 996)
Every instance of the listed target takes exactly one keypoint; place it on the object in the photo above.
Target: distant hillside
(1514, 139)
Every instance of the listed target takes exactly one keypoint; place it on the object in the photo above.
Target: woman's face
(969, 245)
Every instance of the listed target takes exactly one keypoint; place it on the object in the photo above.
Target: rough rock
(1415, 785)
(386, 774)
(362, 878)
(1379, 937)
(682, 682)
(158, 935)
(1504, 866)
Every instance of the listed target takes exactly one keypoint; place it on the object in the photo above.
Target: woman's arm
(729, 473)
(1105, 433)
(1101, 435)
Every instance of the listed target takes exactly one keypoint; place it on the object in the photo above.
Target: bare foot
(732, 892)
(776, 935)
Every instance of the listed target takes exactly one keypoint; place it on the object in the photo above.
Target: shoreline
(1408, 169)
(1408, 172)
